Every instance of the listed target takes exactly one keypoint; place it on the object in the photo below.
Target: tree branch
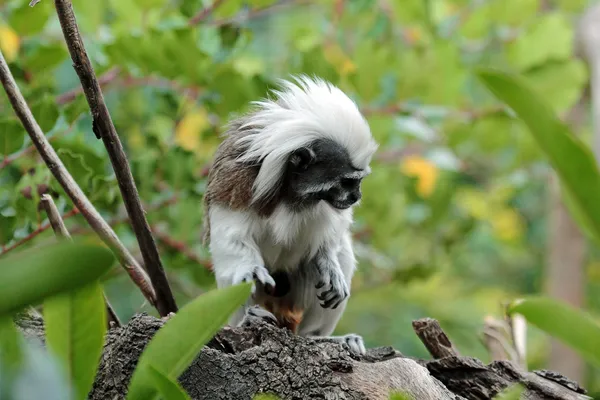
(59, 228)
(434, 338)
(71, 95)
(105, 129)
(205, 12)
(65, 179)
(32, 235)
(181, 247)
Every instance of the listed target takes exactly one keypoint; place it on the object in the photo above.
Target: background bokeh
(455, 216)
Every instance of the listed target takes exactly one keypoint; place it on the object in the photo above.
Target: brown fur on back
(230, 182)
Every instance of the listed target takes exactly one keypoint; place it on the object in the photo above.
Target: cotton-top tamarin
(278, 206)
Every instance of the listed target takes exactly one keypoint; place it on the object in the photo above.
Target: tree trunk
(260, 358)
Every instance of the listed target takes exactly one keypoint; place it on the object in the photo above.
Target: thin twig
(59, 228)
(71, 95)
(260, 12)
(9, 159)
(181, 247)
(205, 12)
(104, 128)
(32, 235)
(58, 169)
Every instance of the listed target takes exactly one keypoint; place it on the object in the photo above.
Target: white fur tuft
(302, 112)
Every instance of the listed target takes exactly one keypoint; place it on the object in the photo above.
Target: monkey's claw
(258, 312)
(355, 343)
(256, 274)
(338, 289)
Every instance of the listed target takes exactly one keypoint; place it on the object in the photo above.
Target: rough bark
(240, 362)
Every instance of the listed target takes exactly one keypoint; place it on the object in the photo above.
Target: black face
(322, 171)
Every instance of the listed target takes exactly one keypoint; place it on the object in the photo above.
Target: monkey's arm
(330, 277)
(236, 257)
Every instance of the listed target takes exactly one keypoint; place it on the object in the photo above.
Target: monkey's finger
(336, 305)
(262, 275)
(328, 303)
(361, 346)
(326, 295)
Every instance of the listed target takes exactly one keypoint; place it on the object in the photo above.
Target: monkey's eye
(349, 183)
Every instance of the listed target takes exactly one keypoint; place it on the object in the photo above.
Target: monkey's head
(322, 170)
(311, 144)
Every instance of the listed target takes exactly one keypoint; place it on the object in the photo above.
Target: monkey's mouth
(341, 205)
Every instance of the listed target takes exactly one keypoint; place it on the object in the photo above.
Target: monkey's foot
(258, 312)
(353, 341)
(338, 289)
(258, 274)
(168, 316)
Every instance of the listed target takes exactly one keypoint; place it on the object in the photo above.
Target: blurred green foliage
(453, 218)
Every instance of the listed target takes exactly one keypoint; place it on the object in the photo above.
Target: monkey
(278, 206)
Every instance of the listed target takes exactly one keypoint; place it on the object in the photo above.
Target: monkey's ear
(302, 157)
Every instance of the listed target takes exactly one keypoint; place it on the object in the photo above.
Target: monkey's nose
(354, 197)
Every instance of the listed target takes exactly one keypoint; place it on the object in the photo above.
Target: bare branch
(58, 225)
(104, 128)
(32, 235)
(434, 338)
(54, 163)
(205, 12)
(181, 247)
(497, 340)
(71, 95)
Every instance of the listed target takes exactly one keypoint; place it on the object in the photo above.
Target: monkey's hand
(254, 274)
(331, 278)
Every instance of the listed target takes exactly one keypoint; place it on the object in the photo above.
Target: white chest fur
(286, 238)
(281, 241)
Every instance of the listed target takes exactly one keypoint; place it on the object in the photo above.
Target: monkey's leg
(353, 341)
(321, 319)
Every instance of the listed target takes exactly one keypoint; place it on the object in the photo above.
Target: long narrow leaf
(574, 327)
(177, 343)
(75, 327)
(513, 392)
(29, 277)
(169, 389)
(572, 160)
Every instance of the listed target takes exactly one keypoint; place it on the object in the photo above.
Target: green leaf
(10, 346)
(265, 396)
(178, 342)
(574, 327)
(13, 136)
(169, 389)
(572, 160)
(400, 396)
(549, 39)
(90, 14)
(513, 392)
(561, 83)
(27, 20)
(45, 57)
(29, 277)
(75, 326)
(45, 111)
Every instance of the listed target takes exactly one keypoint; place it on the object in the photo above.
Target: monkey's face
(323, 171)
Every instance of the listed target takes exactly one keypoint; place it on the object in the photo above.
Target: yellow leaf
(425, 172)
(10, 43)
(473, 202)
(190, 128)
(507, 224)
(135, 138)
(338, 59)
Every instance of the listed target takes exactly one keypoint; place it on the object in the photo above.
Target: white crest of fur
(302, 112)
